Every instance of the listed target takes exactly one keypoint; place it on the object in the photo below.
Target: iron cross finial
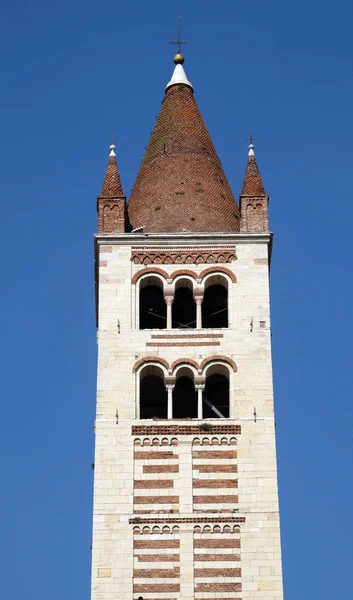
(179, 41)
(251, 139)
(113, 138)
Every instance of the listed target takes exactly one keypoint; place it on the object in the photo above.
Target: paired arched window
(182, 311)
(182, 399)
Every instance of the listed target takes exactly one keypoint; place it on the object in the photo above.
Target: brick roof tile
(181, 185)
(252, 185)
(112, 187)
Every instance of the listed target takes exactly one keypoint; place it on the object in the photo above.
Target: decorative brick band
(188, 336)
(216, 468)
(208, 454)
(146, 588)
(216, 270)
(153, 484)
(149, 359)
(180, 344)
(186, 255)
(155, 544)
(179, 520)
(149, 271)
(209, 543)
(215, 483)
(215, 499)
(218, 587)
(160, 468)
(217, 572)
(174, 429)
(157, 573)
(214, 557)
(219, 358)
(160, 557)
(156, 499)
(155, 455)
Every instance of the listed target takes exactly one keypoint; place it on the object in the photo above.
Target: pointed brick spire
(253, 198)
(181, 185)
(111, 203)
(252, 185)
(112, 187)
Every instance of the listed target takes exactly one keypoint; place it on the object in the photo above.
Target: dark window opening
(216, 394)
(215, 307)
(153, 398)
(184, 399)
(184, 309)
(153, 310)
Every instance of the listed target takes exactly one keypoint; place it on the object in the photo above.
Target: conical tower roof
(112, 187)
(253, 185)
(181, 185)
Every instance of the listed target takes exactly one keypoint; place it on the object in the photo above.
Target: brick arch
(149, 271)
(185, 361)
(149, 359)
(219, 358)
(184, 272)
(218, 270)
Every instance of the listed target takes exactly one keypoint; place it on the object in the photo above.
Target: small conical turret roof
(253, 185)
(181, 185)
(112, 187)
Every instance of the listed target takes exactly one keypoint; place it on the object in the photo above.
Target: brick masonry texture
(181, 184)
(174, 429)
(215, 499)
(153, 455)
(179, 520)
(181, 344)
(218, 587)
(216, 468)
(151, 573)
(217, 572)
(159, 557)
(214, 483)
(160, 468)
(156, 544)
(189, 255)
(146, 588)
(216, 557)
(208, 454)
(153, 484)
(156, 499)
(209, 543)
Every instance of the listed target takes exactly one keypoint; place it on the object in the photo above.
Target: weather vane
(179, 41)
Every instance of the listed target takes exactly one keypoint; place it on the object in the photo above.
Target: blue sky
(72, 75)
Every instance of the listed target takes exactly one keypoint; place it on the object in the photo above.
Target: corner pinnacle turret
(253, 198)
(111, 203)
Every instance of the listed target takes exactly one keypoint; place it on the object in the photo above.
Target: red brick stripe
(161, 469)
(209, 543)
(217, 572)
(155, 455)
(148, 359)
(215, 499)
(219, 358)
(160, 557)
(157, 544)
(158, 573)
(149, 271)
(215, 483)
(173, 429)
(218, 587)
(156, 499)
(217, 557)
(207, 454)
(155, 587)
(151, 484)
(181, 344)
(216, 468)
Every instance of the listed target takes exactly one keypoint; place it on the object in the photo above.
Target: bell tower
(185, 479)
